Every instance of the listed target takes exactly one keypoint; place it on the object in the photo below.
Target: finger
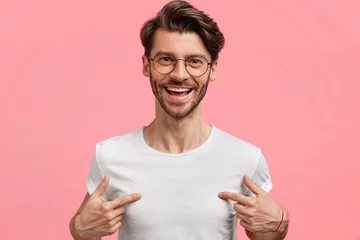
(102, 186)
(252, 186)
(115, 228)
(111, 229)
(109, 216)
(113, 222)
(242, 217)
(119, 211)
(246, 226)
(117, 202)
(237, 197)
(239, 208)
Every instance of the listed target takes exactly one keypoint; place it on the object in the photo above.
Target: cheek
(158, 79)
(203, 81)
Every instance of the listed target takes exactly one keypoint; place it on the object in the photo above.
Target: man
(179, 177)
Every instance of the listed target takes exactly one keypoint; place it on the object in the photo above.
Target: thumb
(102, 186)
(252, 186)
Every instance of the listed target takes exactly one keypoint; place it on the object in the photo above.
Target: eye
(196, 62)
(165, 59)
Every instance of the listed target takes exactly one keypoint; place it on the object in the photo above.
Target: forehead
(181, 45)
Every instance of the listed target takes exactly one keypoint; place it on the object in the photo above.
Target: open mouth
(178, 91)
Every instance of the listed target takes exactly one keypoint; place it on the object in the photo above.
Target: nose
(179, 73)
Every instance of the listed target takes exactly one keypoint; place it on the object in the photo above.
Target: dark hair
(180, 16)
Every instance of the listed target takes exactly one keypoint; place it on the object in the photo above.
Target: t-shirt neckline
(203, 145)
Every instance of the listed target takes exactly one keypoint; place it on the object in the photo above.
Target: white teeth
(178, 89)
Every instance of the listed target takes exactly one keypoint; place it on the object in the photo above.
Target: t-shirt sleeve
(261, 176)
(95, 174)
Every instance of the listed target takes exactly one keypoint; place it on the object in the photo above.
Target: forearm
(74, 232)
(280, 234)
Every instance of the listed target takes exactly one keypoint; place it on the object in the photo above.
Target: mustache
(179, 84)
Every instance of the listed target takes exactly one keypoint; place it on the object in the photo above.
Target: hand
(256, 214)
(99, 218)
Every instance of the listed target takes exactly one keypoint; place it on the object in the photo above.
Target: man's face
(178, 92)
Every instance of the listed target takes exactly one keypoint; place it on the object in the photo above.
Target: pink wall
(288, 81)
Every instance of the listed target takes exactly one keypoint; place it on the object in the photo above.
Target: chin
(179, 113)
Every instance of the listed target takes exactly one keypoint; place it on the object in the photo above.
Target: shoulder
(124, 141)
(234, 143)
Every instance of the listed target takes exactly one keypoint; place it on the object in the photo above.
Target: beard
(174, 110)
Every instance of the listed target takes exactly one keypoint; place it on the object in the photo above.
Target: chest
(176, 194)
(181, 207)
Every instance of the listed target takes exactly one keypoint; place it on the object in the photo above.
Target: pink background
(288, 81)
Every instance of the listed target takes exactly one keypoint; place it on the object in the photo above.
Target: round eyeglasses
(196, 66)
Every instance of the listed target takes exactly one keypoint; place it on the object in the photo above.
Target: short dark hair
(180, 16)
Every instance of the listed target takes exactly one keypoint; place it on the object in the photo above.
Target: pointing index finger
(237, 197)
(122, 200)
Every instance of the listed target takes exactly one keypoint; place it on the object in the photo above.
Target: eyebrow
(186, 56)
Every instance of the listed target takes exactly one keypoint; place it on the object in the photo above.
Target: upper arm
(96, 173)
(261, 175)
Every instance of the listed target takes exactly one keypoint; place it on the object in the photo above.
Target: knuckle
(253, 229)
(132, 198)
(109, 225)
(112, 224)
(105, 207)
(122, 200)
(115, 228)
(107, 217)
(253, 201)
(127, 199)
(256, 228)
(251, 212)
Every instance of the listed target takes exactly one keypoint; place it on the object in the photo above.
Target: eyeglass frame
(207, 67)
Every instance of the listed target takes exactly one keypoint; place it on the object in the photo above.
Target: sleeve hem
(267, 186)
(91, 189)
(90, 186)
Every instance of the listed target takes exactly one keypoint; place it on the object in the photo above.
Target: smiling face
(178, 93)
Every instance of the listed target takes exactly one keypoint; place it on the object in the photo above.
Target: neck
(171, 135)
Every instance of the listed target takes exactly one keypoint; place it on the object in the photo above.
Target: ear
(146, 66)
(213, 71)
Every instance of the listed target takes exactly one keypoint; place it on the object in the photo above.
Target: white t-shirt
(179, 191)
